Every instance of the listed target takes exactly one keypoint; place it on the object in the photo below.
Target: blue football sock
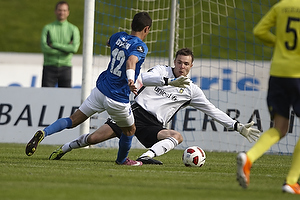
(124, 147)
(58, 125)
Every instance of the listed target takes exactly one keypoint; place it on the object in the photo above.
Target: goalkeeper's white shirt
(164, 101)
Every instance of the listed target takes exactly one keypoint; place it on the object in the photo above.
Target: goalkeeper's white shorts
(119, 112)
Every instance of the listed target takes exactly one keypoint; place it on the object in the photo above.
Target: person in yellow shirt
(283, 89)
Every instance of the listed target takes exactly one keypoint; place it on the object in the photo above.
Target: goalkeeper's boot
(130, 162)
(293, 189)
(57, 154)
(243, 170)
(33, 143)
(149, 160)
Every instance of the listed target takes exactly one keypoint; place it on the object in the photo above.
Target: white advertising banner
(238, 88)
(23, 111)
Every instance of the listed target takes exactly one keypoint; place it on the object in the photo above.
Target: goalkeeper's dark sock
(266, 140)
(124, 147)
(58, 125)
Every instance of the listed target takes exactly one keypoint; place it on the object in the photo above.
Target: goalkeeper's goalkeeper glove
(251, 134)
(181, 82)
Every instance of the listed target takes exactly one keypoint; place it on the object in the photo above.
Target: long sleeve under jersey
(59, 41)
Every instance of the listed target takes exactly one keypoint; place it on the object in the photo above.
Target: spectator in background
(59, 41)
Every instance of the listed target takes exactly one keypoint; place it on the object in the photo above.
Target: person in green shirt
(59, 41)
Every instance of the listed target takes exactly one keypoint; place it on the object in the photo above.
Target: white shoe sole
(288, 189)
(240, 175)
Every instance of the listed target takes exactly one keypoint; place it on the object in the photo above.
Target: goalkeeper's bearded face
(183, 65)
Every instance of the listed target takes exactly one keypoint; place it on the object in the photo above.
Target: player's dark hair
(185, 52)
(61, 3)
(140, 21)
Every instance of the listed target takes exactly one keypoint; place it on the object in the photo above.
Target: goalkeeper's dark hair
(61, 3)
(140, 21)
(185, 52)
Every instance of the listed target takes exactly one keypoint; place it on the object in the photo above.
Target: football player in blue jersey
(111, 94)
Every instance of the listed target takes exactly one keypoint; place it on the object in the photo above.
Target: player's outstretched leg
(243, 169)
(159, 148)
(124, 146)
(33, 143)
(57, 154)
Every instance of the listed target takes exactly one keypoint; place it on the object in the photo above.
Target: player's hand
(181, 81)
(132, 86)
(251, 134)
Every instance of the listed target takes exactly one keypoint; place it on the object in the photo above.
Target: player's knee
(92, 139)
(179, 138)
(283, 134)
(132, 130)
(77, 118)
(129, 131)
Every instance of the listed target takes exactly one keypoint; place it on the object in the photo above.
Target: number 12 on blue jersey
(117, 55)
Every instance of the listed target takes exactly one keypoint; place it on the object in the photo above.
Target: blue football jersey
(113, 81)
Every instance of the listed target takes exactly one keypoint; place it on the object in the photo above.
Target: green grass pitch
(92, 174)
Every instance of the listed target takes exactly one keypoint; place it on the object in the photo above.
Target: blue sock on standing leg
(58, 125)
(124, 147)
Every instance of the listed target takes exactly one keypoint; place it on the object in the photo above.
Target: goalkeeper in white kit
(163, 94)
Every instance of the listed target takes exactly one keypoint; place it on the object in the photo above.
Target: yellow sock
(294, 171)
(266, 140)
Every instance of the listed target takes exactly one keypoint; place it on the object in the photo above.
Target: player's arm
(46, 43)
(72, 46)
(107, 43)
(154, 76)
(112, 38)
(130, 72)
(200, 102)
(262, 29)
